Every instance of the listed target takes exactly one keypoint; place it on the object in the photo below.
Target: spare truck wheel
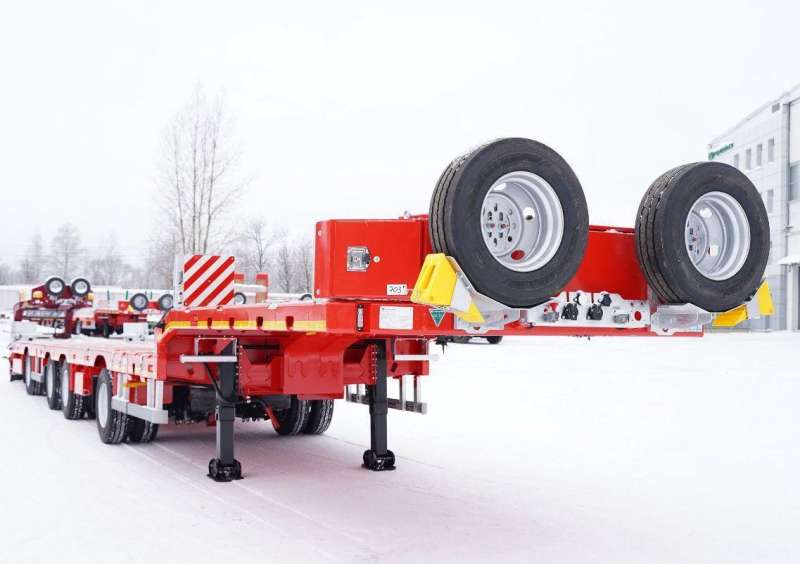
(55, 286)
(71, 403)
(80, 287)
(513, 215)
(139, 302)
(166, 302)
(702, 236)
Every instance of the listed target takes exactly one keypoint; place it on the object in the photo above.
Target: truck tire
(319, 417)
(139, 301)
(33, 387)
(166, 302)
(71, 403)
(141, 431)
(51, 385)
(55, 286)
(80, 287)
(494, 339)
(513, 215)
(239, 298)
(702, 236)
(112, 425)
(293, 420)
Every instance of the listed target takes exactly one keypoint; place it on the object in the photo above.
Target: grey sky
(353, 109)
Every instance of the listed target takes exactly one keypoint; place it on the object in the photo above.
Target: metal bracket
(415, 405)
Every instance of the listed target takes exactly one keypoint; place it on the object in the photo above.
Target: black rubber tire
(660, 236)
(78, 281)
(32, 387)
(455, 212)
(52, 379)
(105, 330)
(494, 339)
(71, 403)
(166, 302)
(319, 417)
(139, 301)
(293, 420)
(141, 431)
(52, 279)
(239, 298)
(114, 429)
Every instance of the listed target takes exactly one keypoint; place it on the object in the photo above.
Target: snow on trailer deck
(669, 450)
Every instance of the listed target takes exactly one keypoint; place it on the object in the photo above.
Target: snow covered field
(536, 450)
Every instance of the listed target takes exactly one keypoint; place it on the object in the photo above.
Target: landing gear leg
(378, 457)
(225, 467)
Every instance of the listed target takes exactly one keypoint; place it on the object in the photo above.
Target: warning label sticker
(437, 314)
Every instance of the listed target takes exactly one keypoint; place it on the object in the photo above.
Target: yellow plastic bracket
(436, 282)
(436, 285)
(735, 316)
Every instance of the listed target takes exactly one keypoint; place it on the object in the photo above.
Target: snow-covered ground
(536, 450)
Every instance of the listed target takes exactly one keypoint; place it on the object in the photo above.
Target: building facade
(766, 147)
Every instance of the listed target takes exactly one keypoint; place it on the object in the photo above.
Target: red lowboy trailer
(506, 250)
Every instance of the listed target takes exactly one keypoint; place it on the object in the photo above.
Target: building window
(794, 180)
(748, 159)
(769, 200)
(736, 160)
(771, 150)
(759, 155)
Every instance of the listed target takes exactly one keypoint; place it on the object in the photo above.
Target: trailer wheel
(105, 330)
(80, 287)
(702, 236)
(51, 382)
(319, 417)
(166, 302)
(71, 403)
(55, 286)
(112, 425)
(513, 215)
(239, 298)
(33, 387)
(494, 339)
(139, 301)
(141, 431)
(291, 421)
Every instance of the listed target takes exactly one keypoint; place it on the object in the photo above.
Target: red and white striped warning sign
(207, 280)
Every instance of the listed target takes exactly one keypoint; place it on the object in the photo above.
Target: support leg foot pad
(220, 472)
(378, 462)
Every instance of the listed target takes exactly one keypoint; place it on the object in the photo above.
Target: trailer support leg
(378, 457)
(225, 467)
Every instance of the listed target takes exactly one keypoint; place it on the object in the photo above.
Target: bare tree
(304, 265)
(198, 174)
(66, 251)
(107, 268)
(255, 243)
(284, 268)
(159, 261)
(5, 274)
(30, 268)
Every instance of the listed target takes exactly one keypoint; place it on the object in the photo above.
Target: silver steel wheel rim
(102, 404)
(717, 235)
(64, 384)
(81, 288)
(522, 221)
(55, 287)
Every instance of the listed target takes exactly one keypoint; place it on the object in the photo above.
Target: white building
(766, 147)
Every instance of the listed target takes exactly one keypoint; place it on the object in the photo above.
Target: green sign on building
(714, 154)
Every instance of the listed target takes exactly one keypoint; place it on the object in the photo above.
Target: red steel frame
(313, 349)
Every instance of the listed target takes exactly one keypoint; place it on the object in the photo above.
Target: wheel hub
(717, 235)
(522, 221)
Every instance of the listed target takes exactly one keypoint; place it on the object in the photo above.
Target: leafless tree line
(199, 183)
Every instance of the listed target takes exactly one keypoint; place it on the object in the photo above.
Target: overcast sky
(353, 109)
